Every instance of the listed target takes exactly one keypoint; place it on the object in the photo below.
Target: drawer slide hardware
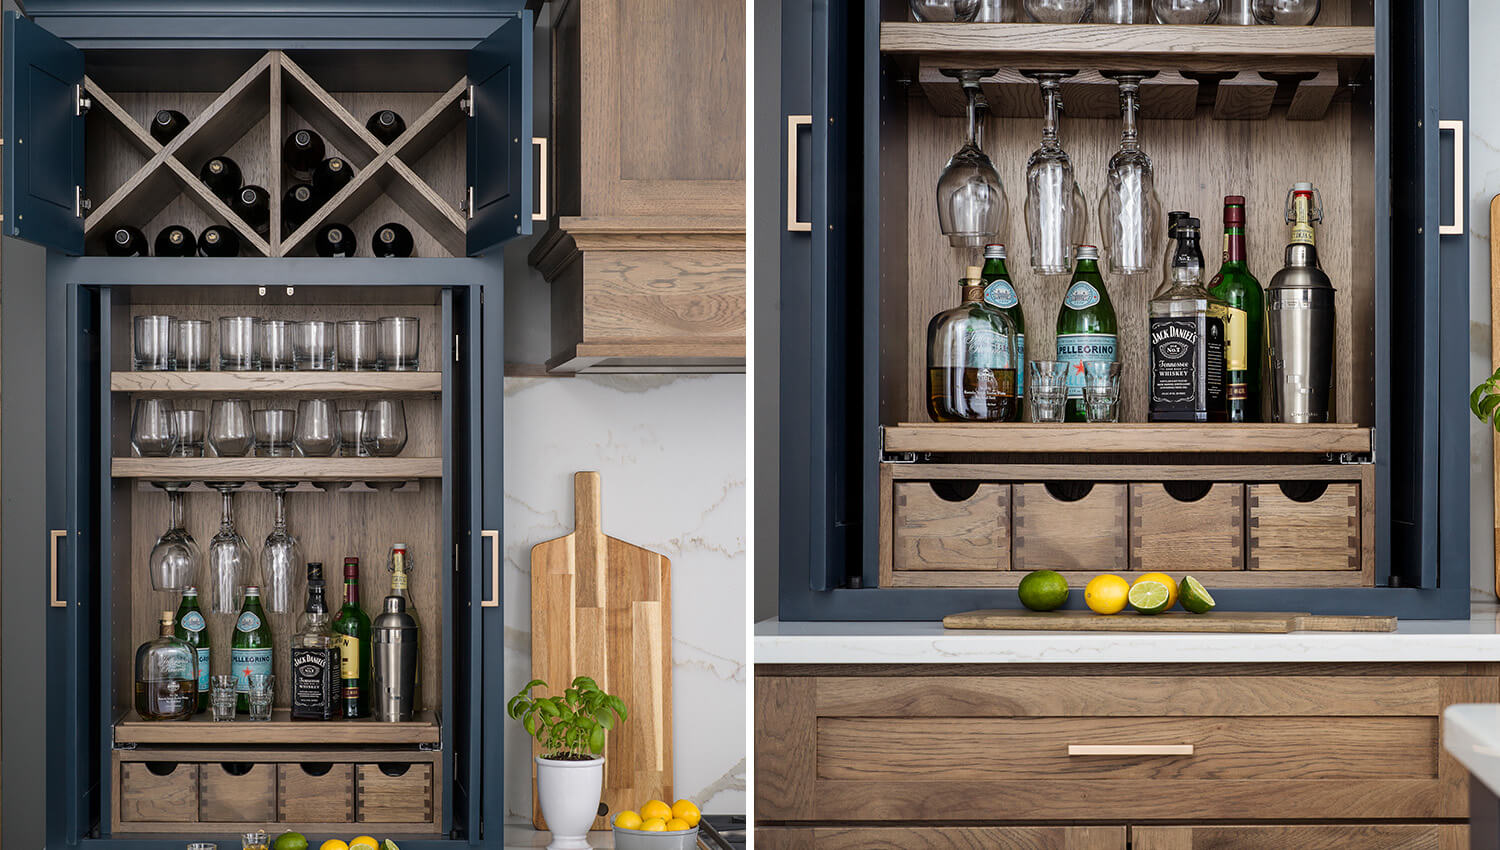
(1130, 749)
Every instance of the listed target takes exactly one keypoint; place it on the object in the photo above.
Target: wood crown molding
(570, 236)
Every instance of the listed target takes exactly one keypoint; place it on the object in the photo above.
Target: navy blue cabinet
(885, 515)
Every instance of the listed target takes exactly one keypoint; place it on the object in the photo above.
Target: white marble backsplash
(1484, 183)
(670, 451)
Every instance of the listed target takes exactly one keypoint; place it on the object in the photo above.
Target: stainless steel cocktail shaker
(1300, 323)
(393, 639)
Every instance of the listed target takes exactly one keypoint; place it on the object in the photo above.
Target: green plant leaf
(605, 719)
(596, 740)
(549, 708)
(530, 724)
(585, 683)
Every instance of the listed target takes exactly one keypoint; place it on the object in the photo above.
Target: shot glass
(357, 350)
(229, 428)
(398, 343)
(384, 431)
(237, 343)
(191, 426)
(261, 695)
(152, 431)
(273, 345)
(256, 840)
(190, 345)
(1047, 389)
(352, 428)
(152, 350)
(313, 343)
(222, 696)
(318, 433)
(1101, 391)
(273, 432)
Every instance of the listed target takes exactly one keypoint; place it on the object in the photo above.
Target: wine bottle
(175, 241)
(126, 241)
(334, 240)
(253, 204)
(391, 240)
(219, 241)
(330, 176)
(167, 124)
(222, 176)
(297, 206)
(386, 126)
(302, 152)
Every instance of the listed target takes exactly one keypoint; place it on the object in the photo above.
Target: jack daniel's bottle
(1186, 339)
(316, 692)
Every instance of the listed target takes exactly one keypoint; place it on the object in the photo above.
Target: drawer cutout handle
(316, 768)
(954, 491)
(393, 768)
(1303, 491)
(237, 768)
(1130, 749)
(1187, 491)
(161, 768)
(1069, 491)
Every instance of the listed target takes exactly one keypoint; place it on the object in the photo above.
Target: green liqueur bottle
(1086, 329)
(353, 628)
(251, 651)
(1245, 323)
(1000, 293)
(193, 629)
(971, 360)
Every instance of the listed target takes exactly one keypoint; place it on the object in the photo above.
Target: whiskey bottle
(353, 628)
(301, 152)
(386, 126)
(167, 124)
(166, 676)
(1000, 293)
(315, 656)
(222, 176)
(330, 176)
(971, 359)
(252, 649)
(253, 204)
(218, 241)
(190, 628)
(126, 241)
(1185, 337)
(1086, 328)
(1244, 322)
(175, 241)
(391, 240)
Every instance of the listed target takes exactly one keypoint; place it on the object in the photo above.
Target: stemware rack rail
(281, 383)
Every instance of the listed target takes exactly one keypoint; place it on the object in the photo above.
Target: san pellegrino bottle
(1245, 317)
(1086, 328)
(252, 649)
(192, 629)
(353, 629)
(1000, 293)
(971, 359)
(400, 563)
(1186, 340)
(166, 676)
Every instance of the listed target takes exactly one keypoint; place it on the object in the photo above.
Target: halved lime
(1043, 590)
(1194, 597)
(390, 845)
(1150, 597)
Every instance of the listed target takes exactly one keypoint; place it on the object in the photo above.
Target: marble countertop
(776, 642)
(517, 837)
(1472, 734)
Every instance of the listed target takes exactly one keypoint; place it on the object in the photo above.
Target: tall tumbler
(273, 345)
(313, 343)
(1123, 12)
(398, 343)
(352, 429)
(153, 344)
(237, 343)
(190, 345)
(1240, 13)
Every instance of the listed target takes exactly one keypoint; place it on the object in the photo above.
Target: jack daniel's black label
(1187, 368)
(315, 690)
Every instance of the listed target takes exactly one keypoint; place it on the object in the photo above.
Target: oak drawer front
(1320, 534)
(942, 838)
(393, 793)
(315, 793)
(951, 526)
(1310, 837)
(1055, 531)
(236, 792)
(1197, 526)
(158, 792)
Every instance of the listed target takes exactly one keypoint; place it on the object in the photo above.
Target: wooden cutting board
(601, 607)
(1247, 622)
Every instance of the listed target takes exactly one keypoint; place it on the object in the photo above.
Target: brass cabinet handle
(1457, 227)
(794, 224)
(494, 538)
(541, 181)
(1130, 749)
(55, 534)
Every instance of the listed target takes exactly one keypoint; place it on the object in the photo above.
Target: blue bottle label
(1020, 365)
(1001, 294)
(202, 669)
(247, 662)
(193, 621)
(1081, 295)
(248, 622)
(1075, 349)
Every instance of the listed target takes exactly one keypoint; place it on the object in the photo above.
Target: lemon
(1106, 594)
(1195, 597)
(1043, 590)
(366, 842)
(684, 810)
(628, 820)
(654, 825)
(677, 825)
(656, 809)
(333, 844)
(1165, 579)
(1149, 597)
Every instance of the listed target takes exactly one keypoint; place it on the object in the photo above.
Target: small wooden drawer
(158, 792)
(1187, 525)
(315, 793)
(1368, 836)
(237, 792)
(393, 793)
(1304, 527)
(951, 525)
(1069, 526)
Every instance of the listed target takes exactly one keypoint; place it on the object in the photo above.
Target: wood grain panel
(785, 746)
(232, 384)
(933, 533)
(1302, 837)
(225, 797)
(1246, 96)
(309, 793)
(942, 838)
(1284, 534)
(201, 729)
(663, 295)
(1207, 534)
(384, 795)
(1087, 534)
(277, 468)
(146, 796)
(1126, 437)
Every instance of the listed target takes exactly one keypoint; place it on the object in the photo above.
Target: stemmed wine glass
(229, 556)
(174, 558)
(972, 208)
(1129, 212)
(280, 558)
(1056, 219)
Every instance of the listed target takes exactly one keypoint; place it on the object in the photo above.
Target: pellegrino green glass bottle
(1000, 293)
(251, 651)
(353, 628)
(1086, 329)
(191, 628)
(1244, 327)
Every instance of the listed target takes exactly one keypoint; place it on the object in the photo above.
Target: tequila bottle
(1186, 340)
(1086, 329)
(971, 360)
(1000, 293)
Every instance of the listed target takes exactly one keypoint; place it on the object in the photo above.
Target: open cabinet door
(491, 610)
(43, 150)
(500, 120)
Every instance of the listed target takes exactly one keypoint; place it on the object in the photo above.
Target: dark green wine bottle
(353, 628)
(1245, 327)
(1086, 329)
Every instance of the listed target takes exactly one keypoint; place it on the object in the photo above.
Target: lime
(390, 845)
(1165, 579)
(1106, 594)
(1043, 590)
(1150, 597)
(1195, 597)
(290, 841)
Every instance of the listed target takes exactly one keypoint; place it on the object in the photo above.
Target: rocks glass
(312, 341)
(221, 696)
(152, 431)
(1101, 391)
(190, 345)
(1123, 12)
(398, 343)
(384, 429)
(352, 428)
(229, 428)
(357, 349)
(273, 344)
(261, 695)
(152, 349)
(317, 433)
(1047, 389)
(273, 432)
(237, 343)
(191, 426)
(1186, 11)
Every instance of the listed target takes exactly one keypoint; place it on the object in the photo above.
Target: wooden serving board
(1247, 622)
(601, 607)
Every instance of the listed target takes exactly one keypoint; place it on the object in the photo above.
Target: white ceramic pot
(569, 792)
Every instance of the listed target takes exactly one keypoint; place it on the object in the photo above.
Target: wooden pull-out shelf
(257, 469)
(1127, 437)
(281, 383)
(281, 729)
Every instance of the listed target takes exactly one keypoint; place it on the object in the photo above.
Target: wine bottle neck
(1234, 244)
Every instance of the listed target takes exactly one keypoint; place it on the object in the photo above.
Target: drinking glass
(280, 559)
(384, 429)
(944, 11)
(1237, 13)
(229, 427)
(317, 428)
(1123, 12)
(273, 345)
(152, 432)
(228, 557)
(356, 345)
(1058, 11)
(996, 11)
(261, 695)
(237, 343)
(398, 343)
(273, 432)
(190, 426)
(153, 344)
(313, 343)
(1293, 13)
(1055, 215)
(173, 561)
(254, 840)
(221, 696)
(1129, 212)
(1047, 389)
(972, 208)
(1101, 391)
(352, 427)
(1186, 11)
(190, 345)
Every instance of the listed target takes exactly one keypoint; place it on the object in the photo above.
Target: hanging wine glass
(1129, 212)
(972, 208)
(1056, 218)
(280, 559)
(229, 557)
(174, 559)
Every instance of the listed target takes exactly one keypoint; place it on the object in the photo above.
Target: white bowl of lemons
(658, 826)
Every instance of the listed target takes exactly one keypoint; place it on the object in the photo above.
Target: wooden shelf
(1126, 438)
(635, 357)
(280, 729)
(254, 469)
(222, 383)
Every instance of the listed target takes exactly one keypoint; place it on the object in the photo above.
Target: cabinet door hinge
(466, 103)
(80, 203)
(81, 102)
(467, 204)
(456, 357)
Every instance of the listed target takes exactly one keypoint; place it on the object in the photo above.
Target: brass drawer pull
(56, 534)
(1130, 749)
(793, 223)
(494, 538)
(1457, 227)
(541, 213)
